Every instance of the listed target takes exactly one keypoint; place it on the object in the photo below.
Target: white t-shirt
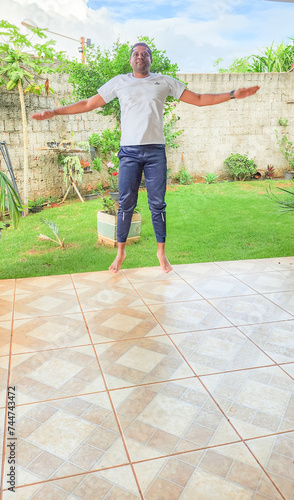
(142, 103)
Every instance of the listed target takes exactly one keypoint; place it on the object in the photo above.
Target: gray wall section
(210, 133)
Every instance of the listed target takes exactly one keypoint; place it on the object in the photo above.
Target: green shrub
(240, 167)
(183, 176)
(210, 177)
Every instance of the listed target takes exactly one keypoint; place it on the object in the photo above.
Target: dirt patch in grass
(34, 251)
(289, 184)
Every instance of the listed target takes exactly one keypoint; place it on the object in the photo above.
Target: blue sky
(193, 33)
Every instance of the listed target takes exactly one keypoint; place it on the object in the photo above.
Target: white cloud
(199, 32)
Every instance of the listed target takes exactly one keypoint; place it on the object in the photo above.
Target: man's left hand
(241, 93)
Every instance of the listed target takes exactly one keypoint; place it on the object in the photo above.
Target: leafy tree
(101, 66)
(22, 65)
(275, 58)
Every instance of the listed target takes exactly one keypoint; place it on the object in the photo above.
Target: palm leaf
(54, 229)
(10, 200)
(286, 204)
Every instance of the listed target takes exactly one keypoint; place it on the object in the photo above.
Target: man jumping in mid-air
(142, 96)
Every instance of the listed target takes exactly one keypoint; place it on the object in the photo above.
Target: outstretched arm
(210, 99)
(79, 107)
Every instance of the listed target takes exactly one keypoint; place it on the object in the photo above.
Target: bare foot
(164, 263)
(116, 265)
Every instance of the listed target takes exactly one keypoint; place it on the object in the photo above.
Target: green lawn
(205, 222)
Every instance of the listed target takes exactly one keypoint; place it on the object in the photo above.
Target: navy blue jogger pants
(133, 161)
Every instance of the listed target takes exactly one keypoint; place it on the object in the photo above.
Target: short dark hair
(143, 45)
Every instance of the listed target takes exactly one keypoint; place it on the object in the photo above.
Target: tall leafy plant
(9, 200)
(22, 66)
(286, 146)
(272, 59)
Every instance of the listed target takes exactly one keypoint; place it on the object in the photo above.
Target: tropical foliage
(275, 58)
(286, 204)
(286, 146)
(22, 65)
(9, 200)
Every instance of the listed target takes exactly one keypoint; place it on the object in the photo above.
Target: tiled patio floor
(151, 386)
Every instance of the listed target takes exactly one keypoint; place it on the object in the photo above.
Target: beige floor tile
(64, 437)
(276, 455)
(142, 361)
(113, 484)
(41, 284)
(188, 316)
(45, 303)
(166, 291)
(236, 267)
(51, 332)
(55, 373)
(220, 286)
(288, 368)
(4, 365)
(285, 300)
(6, 307)
(100, 278)
(258, 402)
(5, 336)
(226, 472)
(100, 297)
(2, 423)
(7, 287)
(121, 324)
(201, 270)
(275, 339)
(249, 310)
(66, 427)
(280, 264)
(219, 350)
(147, 274)
(169, 418)
(274, 281)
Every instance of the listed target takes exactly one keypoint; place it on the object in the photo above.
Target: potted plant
(53, 200)
(107, 224)
(85, 165)
(53, 144)
(92, 194)
(37, 205)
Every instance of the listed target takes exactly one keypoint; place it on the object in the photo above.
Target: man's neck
(141, 75)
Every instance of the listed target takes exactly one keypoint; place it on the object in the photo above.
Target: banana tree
(22, 65)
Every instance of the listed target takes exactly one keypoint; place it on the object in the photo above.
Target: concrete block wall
(210, 133)
(45, 178)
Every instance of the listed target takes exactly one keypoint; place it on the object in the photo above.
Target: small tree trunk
(25, 145)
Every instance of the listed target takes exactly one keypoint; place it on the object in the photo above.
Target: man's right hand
(45, 115)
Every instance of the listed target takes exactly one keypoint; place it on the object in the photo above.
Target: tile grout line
(50, 480)
(238, 326)
(102, 391)
(6, 396)
(110, 390)
(199, 378)
(108, 394)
